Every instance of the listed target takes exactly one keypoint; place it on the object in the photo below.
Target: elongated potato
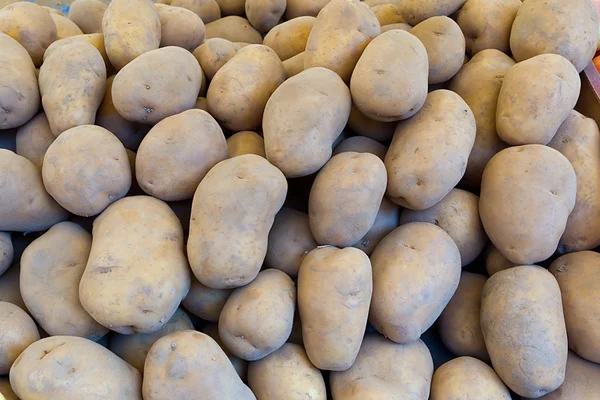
(7, 251)
(582, 380)
(264, 14)
(303, 8)
(365, 126)
(495, 261)
(213, 54)
(207, 10)
(289, 38)
(361, 144)
(245, 142)
(17, 332)
(65, 27)
(205, 302)
(234, 29)
(34, 138)
(415, 11)
(180, 27)
(88, 14)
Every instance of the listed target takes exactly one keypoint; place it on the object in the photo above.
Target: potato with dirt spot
(264, 15)
(17, 332)
(289, 38)
(415, 11)
(34, 138)
(213, 54)
(207, 10)
(180, 27)
(65, 27)
(204, 302)
(88, 14)
(234, 29)
(7, 251)
(245, 142)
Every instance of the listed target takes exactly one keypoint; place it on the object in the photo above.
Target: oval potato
(180, 27)
(387, 14)
(231, 7)
(34, 138)
(234, 29)
(88, 14)
(213, 54)
(304, 8)
(65, 27)
(204, 302)
(415, 11)
(207, 10)
(289, 38)
(17, 332)
(264, 14)
(365, 126)
(245, 142)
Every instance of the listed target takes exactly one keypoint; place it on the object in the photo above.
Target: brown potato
(415, 11)
(387, 14)
(207, 10)
(264, 14)
(385, 222)
(213, 54)
(304, 8)
(180, 27)
(65, 27)
(34, 138)
(234, 29)
(582, 380)
(95, 39)
(245, 142)
(361, 144)
(365, 126)
(402, 26)
(9, 287)
(289, 38)
(205, 302)
(7, 251)
(241, 366)
(294, 65)
(496, 262)
(231, 7)
(88, 14)
(17, 332)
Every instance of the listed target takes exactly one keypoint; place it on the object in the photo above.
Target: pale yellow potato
(245, 142)
(496, 262)
(207, 10)
(87, 14)
(289, 38)
(231, 7)
(65, 27)
(95, 39)
(213, 54)
(34, 138)
(365, 126)
(7, 251)
(264, 14)
(204, 302)
(180, 27)
(234, 29)
(415, 11)
(402, 26)
(361, 144)
(17, 332)
(294, 65)
(387, 14)
(385, 222)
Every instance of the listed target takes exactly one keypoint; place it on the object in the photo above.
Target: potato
(445, 45)
(231, 7)
(407, 370)
(524, 330)
(496, 262)
(337, 43)
(6, 251)
(582, 380)
(429, 152)
(415, 11)
(185, 364)
(361, 144)
(303, 118)
(289, 38)
(216, 261)
(334, 292)
(379, 64)
(416, 270)
(294, 65)
(134, 348)
(478, 83)
(20, 97)
(9, 287)
(34, 138)
(245, 142)
(365, 126)
(387, 14)
(385, 222)
(213, 54)
(234, 29)
(177, 153)
(17, 332)
(68, 367)
(201, 104)
(95, 39)
(6, 390)
(25, 206)
(303, 8)
(527, 194)
(286, 374)
(87, 14)
(139, 90)
(65, 27)
(86, 169)
(207, 10)
(241, 366)
(135, 292)
(30, 25)
(578, 139)
(51, 268)
(553, 26)
(205, 302)
(180, 27)
(373, 3)
(264, 14)
(467, 378)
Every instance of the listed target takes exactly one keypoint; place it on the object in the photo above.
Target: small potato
(467, 378)
(218, 262)
(527, 194)
(213, 54)
(459, 325)
(184, 365)
(289, 38)
(402, 26)
(304, 8)
(407, 369)
(582, 381)
(239, 91)
(234, 29)
(496, 262)
(65, 27)
(524, 329)
(87, 14)
(139, 90)
(51, 268)
(95, 39)
(286, 374)
(34, 138)
(9, 286)
(302, 120)
(7, 251)
(294, 65)
(17, 332)
(379, 64)
(180, 27)
(69, 367)
(365, 126)
(207, 10)
(205, 302)
(177, 153)
(445, 45)
(416, 270)
(264, 14)
(245, 142)
(385, 222)
(428, 155)
(241, 366)
(361, 144)
(387, 14)
(415, 11)
(334, 292)
(86, 169)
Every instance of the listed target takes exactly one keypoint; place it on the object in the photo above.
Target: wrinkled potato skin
(365, 126)
(361, 144)
(524, 329)
(264, 14)
(334, 292)
(207, 10)
(34, 138)
(88, 14)
(231, 7)
(17, 332)
(304, 8)
(45, 372)
(213, 54)
(525, 213)
(387, 14)
(234, 29)
(289, 38)
(241, 366)
(415, 11)
(205, 302)
(582, 380)
(180, 27)
(294, 65)
(7, 251)
(95, 39)
(385, 222)
(496, 262)
(245, 142)
(65, 27)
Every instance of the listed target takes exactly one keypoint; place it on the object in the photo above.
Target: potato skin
(422, 168)
(95, 39)
(385, 222)
(207, 10)
(289, 38)
(524, 330)
(425, 261)
(334, 292)
(213, 54)
(496, 262)
(361, 144)
(7, 251)
(234, 29)
(204, 302)
(180, 27)
(304, 8)
(215, 260)
(88, 14)
(65, 27)
(537, 187)
(45, 371)
(387, 14)
(18, 331)
(365, 126)
(231, 7)
(415, 11)
(241, 366)
(264, 14)
(245, 142)
(582, 380)
(34, 138)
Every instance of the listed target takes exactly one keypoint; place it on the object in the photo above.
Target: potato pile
(298, 199)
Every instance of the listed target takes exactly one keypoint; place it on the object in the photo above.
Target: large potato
(495, 261)
(69, 368)
(415, 11)
(17, 332)
(213, 54)
(429, 152)
(218, 262)
(524, 329)
(334, 292)
(385, 222)
(34, 138)
(303, 118)
(527, 194)
(365, 126)
(245, 142)
(88, 14)
(416, 270)
(7, 251)
(234, 29)
(303, 8)
(361, 144)
(264, 14)
(207, 10)
(51, 269)
(139, 291)
(204, 302)
(180, 27)
(65, 27)
(379, 65)
(289, 38)
(554, 26)
(582, 381)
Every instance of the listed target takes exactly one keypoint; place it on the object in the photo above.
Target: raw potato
(361, 144)
(264, 14)
(304, 8)
(385, 222)
(478, 83)
(239, 91)
(241, 366)
(177, 153)
(234, 29)
(582, 381)
(51, 268)
(257, 318)
(365, 126)
(286, 374)
(334, 292)
(407, 369)
(231, 7)
(34, 138)
(496, 262)
(467, 378)
(180, 27)
(65, 27)
(415, 11)
(6, 390)
(402, 26)
(201, 104)
(294, 65)
(140, 291)
(207, 10)
(17, 332)
(69, 367)
(205, 302)
(9, 287)
(553, 26)
(88, 14)
(139, 90)
(289, 38)
(459, 325)
(524, 329)
(7, 251)
(245, 142)
(428, 155)
(188, 364)
(95, 39)
(387, 14)
(218, 262)
(213, 54)
(86, 169)
(416, 270)
(337, 43)
(527, 194)
(445, 45)
(302, 120)
(395, 56)
(18, 77)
